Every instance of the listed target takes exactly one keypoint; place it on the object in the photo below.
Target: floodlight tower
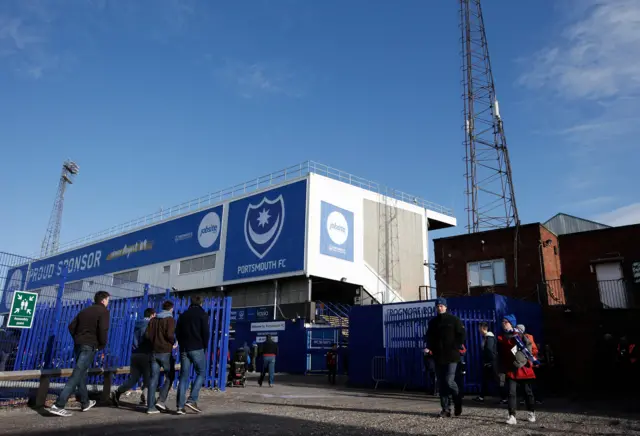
(52, 236)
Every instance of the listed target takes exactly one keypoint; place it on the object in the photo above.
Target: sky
(163, 101)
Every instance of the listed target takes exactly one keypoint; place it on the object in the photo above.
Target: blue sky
(163, 101)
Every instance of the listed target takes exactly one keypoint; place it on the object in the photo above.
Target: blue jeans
(188, 358)
(164, 361)
(84, 355)
(447, 385)
(270, 364)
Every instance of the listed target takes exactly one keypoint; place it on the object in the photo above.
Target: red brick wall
(579, 250)
(552, 267)
(452, 255)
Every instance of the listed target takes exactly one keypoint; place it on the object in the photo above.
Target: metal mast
(491, 202)
(52, 236)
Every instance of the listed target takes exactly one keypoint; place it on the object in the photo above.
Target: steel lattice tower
(491, 202)
(52, 236)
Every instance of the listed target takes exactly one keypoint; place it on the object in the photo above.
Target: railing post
(226, 319)
(53, 328)
(145, 300)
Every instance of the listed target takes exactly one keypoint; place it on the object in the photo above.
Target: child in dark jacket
(490, 365)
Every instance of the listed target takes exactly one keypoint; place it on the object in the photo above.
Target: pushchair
(238, 370)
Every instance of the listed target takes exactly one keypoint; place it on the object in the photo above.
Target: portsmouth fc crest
(263, 224)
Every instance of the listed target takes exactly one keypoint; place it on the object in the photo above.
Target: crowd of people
(511, 356)
(155, 337)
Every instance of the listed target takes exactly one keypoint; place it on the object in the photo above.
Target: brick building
(487, 262)
(588, 264)
(585, 274)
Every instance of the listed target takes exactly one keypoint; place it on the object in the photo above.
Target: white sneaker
(532, 417)
(89, 406)
(60, 412)
(512, 420)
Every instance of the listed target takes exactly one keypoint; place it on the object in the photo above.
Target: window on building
(167, 268)
(74, 286)
(125, 277)
(486, 273)
(198, 264)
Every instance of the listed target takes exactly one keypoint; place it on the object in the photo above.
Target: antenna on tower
(51, 239)
(491, 202)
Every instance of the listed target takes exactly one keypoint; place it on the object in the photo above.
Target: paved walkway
(297, 407)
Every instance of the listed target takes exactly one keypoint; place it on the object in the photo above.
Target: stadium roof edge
(439, 216)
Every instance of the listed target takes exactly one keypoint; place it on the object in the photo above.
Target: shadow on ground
(219, 424)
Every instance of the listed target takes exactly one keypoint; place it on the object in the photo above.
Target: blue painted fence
(404, 334)
(48, 343)
(402, 364)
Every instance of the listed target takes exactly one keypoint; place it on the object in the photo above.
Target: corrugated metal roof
(563, 224)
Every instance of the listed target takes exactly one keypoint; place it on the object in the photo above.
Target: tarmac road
(297, 407)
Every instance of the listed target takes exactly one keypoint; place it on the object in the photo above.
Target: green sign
(23, 307)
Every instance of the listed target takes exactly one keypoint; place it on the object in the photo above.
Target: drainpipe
(542, 274)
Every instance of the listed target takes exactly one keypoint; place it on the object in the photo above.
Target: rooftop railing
(277, 177)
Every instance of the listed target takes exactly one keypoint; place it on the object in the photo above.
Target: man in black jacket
(269, 353)
(445, 337)
(489, 361)
(192, 334)
(89, 330)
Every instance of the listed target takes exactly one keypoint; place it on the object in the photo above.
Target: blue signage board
(336, 232)
(321, 343)
(266, 233)
(194, 234)
(252, 314)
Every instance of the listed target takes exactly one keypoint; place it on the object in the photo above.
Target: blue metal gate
(319, 342)
(404, 335)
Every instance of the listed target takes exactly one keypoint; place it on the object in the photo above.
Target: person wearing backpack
(517, 361)
(536, 353)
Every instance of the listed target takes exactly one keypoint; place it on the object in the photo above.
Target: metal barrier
(378, 369)
(48, 345)
(404, 361)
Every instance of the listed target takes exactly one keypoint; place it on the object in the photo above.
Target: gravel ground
(298, 406)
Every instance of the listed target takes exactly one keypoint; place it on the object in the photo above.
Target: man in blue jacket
(192, 335)
(140, 366)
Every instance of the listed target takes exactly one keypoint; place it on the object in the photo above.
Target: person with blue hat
(445, 338)
(517, 360)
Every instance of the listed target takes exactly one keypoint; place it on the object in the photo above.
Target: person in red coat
(517, 366)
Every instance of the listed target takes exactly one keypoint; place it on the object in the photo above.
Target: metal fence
(614, 294)
(48, 344)
(405, 338)
(605, 294)
(552, 292)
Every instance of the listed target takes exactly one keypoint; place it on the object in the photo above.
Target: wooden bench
(46, 375)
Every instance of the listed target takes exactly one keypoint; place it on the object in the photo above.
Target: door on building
(611, 285)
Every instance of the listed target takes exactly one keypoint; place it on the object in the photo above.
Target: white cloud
(588, 81)
(590, 203)
(596, 57)
(251, 80)
(24, 39)
(622, 216)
